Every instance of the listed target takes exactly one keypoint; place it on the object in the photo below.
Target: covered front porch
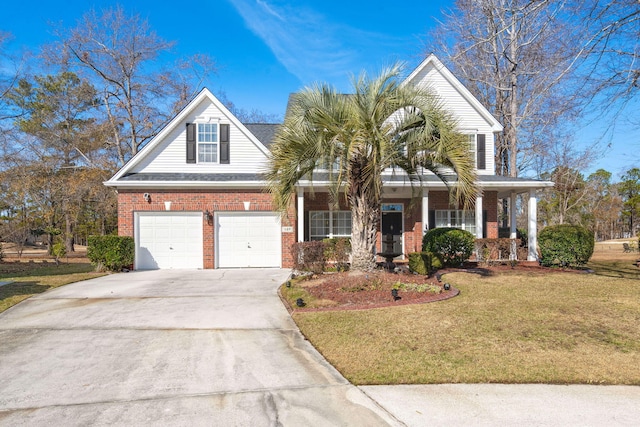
(408, 212)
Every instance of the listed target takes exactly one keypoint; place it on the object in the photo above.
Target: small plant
(414, 287)
(58, 250)
(424, 263)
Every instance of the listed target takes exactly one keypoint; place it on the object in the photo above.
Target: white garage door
(248, 240)
(168, 240)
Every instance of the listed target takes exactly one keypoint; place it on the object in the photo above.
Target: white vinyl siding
(323, 224)
(468, 117)
(169, 155)
(465, 220)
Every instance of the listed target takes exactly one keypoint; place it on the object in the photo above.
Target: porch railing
(500, 250)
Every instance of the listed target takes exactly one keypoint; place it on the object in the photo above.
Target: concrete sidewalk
(169, 347)
(510, 404)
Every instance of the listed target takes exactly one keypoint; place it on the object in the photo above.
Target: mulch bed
(363, 291)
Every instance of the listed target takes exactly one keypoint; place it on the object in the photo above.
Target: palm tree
(353, 139)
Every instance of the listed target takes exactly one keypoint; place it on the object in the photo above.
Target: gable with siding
(472, 117)
(168, 153)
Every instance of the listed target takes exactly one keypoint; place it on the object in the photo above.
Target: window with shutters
(207, 138)
(477, 145)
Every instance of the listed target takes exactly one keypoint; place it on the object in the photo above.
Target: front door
(391, 227)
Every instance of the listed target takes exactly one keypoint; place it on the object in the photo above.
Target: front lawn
(30, 278)
(507, 327)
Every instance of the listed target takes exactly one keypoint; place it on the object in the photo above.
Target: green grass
(512, 327)
(34, 278)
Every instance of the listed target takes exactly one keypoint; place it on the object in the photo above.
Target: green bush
(453, 245)
(566, 245)
(112, 253)
(424, 263)
(58, 250)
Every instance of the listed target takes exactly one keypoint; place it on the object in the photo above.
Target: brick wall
(131, 201)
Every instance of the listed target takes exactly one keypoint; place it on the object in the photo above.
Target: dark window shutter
(432, 219)
(484, 224)
(191, 143)
(481, 151)
(224, 144)
(306, 226)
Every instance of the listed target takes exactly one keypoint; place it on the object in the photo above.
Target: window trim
(331, 226)
(202, 143)
(464, 225)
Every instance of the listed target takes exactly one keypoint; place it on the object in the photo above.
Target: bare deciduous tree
(120, 54)
(514, 56)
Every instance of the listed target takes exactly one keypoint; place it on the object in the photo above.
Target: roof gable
(149, 153)
(433, 74)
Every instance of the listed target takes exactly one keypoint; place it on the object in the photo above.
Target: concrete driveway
(170, 347)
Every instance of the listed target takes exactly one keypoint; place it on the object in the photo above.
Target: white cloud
(307, 44)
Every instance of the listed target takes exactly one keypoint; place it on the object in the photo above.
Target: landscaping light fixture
(300, 302)
(288, 283)
(394, 294)
(447, 286)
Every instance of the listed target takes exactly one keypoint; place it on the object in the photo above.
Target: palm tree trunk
(365, 214)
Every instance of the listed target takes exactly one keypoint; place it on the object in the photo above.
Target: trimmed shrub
(309, 256)
(337, 251)
(112, 253)
(565, 245)
(424, 263)
(453, 245)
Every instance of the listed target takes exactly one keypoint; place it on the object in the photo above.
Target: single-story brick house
(194, 196)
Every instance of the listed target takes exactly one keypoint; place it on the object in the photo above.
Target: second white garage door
(248, 240)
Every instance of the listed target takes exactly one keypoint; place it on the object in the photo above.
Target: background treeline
(76, 111)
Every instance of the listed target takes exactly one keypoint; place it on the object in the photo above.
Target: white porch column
(479, 222)
(300, 214)
(425, 212)
(512, 213)
(533, 229)
(513, 235)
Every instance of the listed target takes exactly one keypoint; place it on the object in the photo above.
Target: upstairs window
(207, 142)
(477, 145)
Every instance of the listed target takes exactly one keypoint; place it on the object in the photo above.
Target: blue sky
(266, 49)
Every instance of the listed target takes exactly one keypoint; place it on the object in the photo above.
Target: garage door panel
(248, 240)
(169, 240)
